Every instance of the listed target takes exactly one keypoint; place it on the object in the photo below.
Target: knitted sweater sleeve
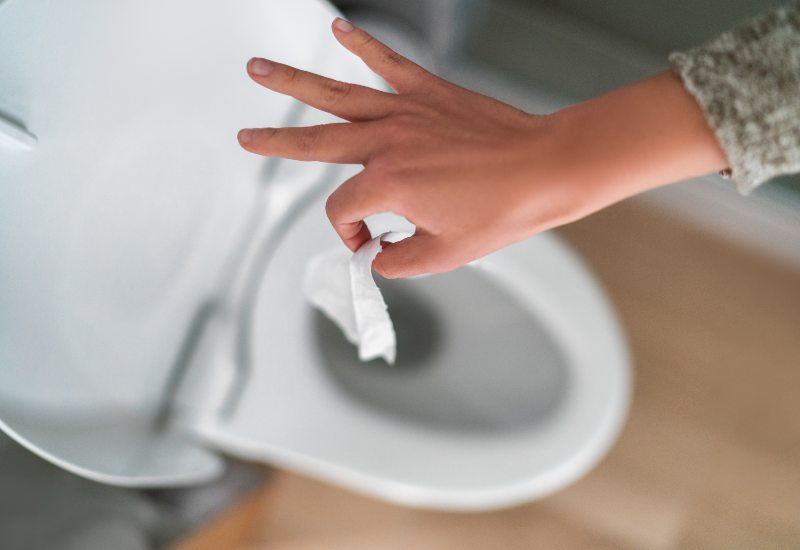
(747, 82)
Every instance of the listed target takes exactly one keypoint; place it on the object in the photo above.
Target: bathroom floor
(708, 459)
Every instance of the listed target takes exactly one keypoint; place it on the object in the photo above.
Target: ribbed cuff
(747, 82)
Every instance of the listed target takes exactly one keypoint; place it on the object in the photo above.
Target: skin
(474, 174)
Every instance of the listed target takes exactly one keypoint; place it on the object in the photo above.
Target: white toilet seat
(293, 414)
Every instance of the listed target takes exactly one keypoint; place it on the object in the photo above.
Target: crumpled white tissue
(343, 288)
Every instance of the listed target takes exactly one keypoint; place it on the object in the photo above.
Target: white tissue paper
(342, 287)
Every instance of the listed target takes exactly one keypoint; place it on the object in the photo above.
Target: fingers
(345, 143)
(402, 74)
(354, 200)
(347, 101)
(418, 254)
(364, 195)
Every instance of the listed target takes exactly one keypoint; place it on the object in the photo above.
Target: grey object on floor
(43, 507)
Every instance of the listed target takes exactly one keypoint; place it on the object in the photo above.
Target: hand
(456, 164)
(473, 174)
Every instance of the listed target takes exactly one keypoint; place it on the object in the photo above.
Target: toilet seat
(139, 288)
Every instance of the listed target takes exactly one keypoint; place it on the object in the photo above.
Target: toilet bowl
(511, 381)
(152, 313)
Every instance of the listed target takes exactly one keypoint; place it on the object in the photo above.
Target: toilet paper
(342, 287)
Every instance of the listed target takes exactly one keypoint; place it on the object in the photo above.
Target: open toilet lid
(122, 193)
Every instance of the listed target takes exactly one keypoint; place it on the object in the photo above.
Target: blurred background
(707, 284)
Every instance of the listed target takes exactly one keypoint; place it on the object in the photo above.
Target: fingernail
(342, 25)
(261, 67)
(245, 136)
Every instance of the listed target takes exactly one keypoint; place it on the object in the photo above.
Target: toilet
(153, 319)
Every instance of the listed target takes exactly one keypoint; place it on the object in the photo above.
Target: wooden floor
(710, 456)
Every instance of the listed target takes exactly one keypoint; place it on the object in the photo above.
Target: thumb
(415, 255)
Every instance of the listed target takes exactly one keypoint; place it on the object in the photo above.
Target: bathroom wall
(654, 24)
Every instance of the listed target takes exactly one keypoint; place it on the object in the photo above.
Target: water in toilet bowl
(470, 358)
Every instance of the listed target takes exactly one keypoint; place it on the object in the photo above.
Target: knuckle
(334, 92)
(330, 206)
(334, 204)
(391, 57)
(264, 136)
(367, 41)
(307, 140)
(291, 74)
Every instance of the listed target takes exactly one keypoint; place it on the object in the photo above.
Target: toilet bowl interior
(511, 380)
(471, 359)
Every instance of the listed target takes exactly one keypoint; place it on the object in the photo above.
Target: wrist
(636, 138)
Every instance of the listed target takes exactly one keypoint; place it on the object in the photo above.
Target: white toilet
(151, 306)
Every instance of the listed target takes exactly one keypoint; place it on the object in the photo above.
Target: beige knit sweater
(747, 81)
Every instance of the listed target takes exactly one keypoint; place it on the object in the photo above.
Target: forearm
(638, 137)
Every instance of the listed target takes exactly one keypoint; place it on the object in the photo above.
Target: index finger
(354, 200)
(348, 101)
